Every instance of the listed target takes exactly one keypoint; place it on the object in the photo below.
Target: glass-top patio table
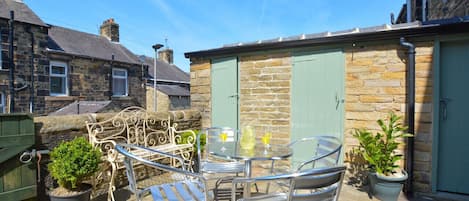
(233, 150)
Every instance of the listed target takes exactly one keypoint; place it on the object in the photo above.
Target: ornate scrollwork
(134, 125)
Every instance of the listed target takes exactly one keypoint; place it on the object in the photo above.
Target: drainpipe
(155, 47)
(12, 64)
(31, 89)
(410, 110)
(110, 78)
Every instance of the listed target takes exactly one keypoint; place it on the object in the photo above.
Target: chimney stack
(110, 30)
(166, 55)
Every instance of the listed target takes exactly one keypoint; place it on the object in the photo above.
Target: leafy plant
(73, 161)
(186, 138)
(379, 149)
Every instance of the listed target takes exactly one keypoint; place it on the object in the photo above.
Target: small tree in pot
(379, 150)
(72, 162)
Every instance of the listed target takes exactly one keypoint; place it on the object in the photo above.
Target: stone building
(173, 84)
(67, 66)
(335, 82)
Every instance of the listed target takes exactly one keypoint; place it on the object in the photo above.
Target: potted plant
(379, 150)
(72, 162)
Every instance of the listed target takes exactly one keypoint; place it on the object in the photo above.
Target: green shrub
(186, 138)
(73, 161)
(379, 149)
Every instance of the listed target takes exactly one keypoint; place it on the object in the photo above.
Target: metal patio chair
(318, 184)
(219, 167)
(210, 164)
(325, 152)
(190, 186)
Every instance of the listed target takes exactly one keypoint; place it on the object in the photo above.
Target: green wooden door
(17, 180)
(317, 97)
(224, 86)
(453, 160)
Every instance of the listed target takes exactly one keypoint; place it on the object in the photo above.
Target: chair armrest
(123, 149)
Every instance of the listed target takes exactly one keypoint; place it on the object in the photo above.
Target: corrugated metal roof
(373, 33)
(22, 12)
(380, 28)
(69, 41)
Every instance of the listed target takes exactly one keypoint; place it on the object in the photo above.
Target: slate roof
(69, 41)
(173, 90)
(22, 12)
(166, 71)
(84, 107)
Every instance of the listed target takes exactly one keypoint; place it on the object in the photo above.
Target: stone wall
(264, 98)
(51, 130)
(22, 59)
(439, 9)
(163, 102)
(89, 80)
(200, 89)
(376, 85)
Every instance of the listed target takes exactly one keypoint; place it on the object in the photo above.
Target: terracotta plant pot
(387, 188)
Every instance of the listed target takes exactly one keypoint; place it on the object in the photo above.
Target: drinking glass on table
(223, 137)
(266, 140)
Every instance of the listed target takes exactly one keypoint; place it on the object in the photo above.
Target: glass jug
(248, 139)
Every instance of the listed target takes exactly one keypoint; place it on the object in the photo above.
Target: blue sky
(192, 25)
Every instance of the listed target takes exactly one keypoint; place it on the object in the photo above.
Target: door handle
(338, 101)
(444, 107)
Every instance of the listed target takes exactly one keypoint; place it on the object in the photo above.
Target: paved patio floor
(348, 193)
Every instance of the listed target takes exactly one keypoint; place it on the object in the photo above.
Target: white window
(58, 78)
(119, 82)
(2, 102)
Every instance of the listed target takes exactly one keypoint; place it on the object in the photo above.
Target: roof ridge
(67, 28)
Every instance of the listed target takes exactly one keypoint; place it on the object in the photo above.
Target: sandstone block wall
(264, 98)
(376, 85)
(163, 102)
(200, 89)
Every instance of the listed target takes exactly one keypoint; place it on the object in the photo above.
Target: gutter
(409, 155)
(89, 57)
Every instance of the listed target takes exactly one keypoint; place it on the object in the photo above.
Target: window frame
(2, 102)
(65, 76)
(126, 78)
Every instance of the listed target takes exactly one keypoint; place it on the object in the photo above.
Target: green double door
(317, 97)
(453, 142)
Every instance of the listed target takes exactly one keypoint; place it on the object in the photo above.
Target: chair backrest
(128, 151)
(312, 184)
(325, 152)
(317, 184)
(212, 136)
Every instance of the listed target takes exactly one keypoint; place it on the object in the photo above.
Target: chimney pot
(110, 30)
(166, 55)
